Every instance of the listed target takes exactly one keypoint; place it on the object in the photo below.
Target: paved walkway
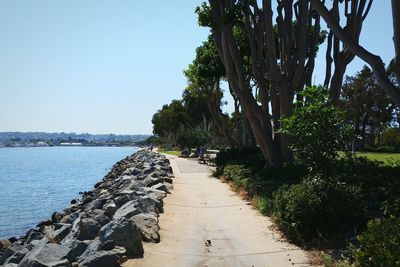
(206, 224)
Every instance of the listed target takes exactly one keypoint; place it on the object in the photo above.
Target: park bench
(207, 159)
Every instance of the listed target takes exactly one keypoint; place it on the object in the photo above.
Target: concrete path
(207, 224)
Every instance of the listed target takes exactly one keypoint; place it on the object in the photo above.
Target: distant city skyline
(100, 67)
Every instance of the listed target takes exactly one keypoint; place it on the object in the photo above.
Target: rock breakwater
(104, 226)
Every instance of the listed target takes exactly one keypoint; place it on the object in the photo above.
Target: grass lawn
(170, 152)
(385, 157)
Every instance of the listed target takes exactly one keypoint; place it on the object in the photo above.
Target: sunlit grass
(384, 157)
(170, 152)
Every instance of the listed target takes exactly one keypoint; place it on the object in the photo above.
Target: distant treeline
(7, 137)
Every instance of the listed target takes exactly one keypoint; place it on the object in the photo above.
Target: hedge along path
(206, 224)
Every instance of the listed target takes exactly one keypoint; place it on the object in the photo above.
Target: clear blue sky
(106, 66)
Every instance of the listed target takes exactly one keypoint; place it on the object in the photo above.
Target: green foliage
(250, 156)
(391, 137)
(170, 119)
(380, 182)
(316, 128)
(379, 244)
(369, 109)
(237, 174)
(206, 67)
(263, 204)
(318, 208)
(191, 138)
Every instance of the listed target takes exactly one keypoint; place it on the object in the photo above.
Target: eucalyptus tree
(170, 119)
(375, 61)
(369, 110)
(280, 60)
(204, 76)
(355, 13)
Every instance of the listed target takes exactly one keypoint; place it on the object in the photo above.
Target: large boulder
(70, 218)
(124, 233)
(98, 215)
(95, 204)
(121, 200)
(101, 258)
(17, 256)
(148, 225)
(10, 251)
(83, 229)
(110, 208)
(148, 204)
(45, 255)
(77, 248)
(128, 210)
(59, 234)
(4, 244)
(33, 235)
(88, 229)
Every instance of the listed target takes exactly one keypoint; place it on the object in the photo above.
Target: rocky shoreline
(106, 226)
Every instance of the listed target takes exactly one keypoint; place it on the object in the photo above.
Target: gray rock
(148, 225)
(154, 193)
(160, 186)
(88, 229)
(4, 244)
(17, 256)
(61, 263)
(56, 217)
(110, 208)
(121, 200)
(107, 245)
(124, 233)
(70, 218)
(98, 215)
(44, 223)
(169, 187)
(77, 248)
(148, 204)
(59, 234)
(92, 248)
(45, 255)
(128, 210)
(37, 242)
(11, 250)
(33, 235)
(101, 259)
(95, 204)
(150, 181)
(148, 170)
(168, 180)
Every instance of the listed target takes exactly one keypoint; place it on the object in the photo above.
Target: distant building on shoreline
(71, 144)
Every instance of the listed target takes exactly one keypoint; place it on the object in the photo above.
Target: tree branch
(374, 61)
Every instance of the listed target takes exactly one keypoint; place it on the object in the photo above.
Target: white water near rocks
(35, 182)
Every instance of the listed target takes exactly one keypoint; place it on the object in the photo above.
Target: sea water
(36, 181)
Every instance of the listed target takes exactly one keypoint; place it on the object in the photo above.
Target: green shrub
(391, 137)
(379, 244)
(263, 204)
(248, 156)
(317, 129)
(380, 183)
(318, 207)
(391, 207)
(237, 174)
(192, 138)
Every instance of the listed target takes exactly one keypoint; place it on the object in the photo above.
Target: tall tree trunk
(214, 108)
(374, 61)
(336, 83)
(395, 63)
